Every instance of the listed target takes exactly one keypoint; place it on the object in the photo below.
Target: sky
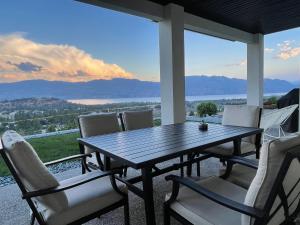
(72, 41)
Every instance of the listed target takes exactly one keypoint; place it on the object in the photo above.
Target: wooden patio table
(144, 148)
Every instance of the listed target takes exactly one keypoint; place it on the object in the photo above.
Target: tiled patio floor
(14, 211)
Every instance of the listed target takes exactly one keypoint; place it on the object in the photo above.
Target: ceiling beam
(140, 8)
(204, 26)
(154, 11)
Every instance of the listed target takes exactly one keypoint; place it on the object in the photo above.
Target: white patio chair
(275, 119)
(52, 202)
(98, 124)
(273, 197)
(237, 115)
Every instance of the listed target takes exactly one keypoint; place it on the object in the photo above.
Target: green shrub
(272, 100)
(191, 113)
(207, 108)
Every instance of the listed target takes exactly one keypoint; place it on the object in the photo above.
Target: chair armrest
(243, 161)
(89, 177)
(73, 157)
(229, 203)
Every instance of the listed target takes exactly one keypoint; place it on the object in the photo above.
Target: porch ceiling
(253, 16)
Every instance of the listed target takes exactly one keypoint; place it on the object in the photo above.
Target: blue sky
(68, 40)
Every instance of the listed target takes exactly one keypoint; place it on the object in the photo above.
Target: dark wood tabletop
(146, 147)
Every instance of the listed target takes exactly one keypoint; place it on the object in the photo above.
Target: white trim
(204, 26)
(154, 11)
(142, 8)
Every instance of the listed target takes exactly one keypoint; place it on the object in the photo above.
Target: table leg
(189, 167)
(236, 151)
(107, 163)
(182, 168)
(83, 160)
(148, 195)
(237, 146)
(258, 144)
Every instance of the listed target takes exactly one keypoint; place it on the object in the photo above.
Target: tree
(272, 100)
(191, 113)
(51, 128)
(207, 108)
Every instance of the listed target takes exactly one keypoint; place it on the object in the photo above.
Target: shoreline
(103, 101)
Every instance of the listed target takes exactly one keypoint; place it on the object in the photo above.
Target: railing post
(172, 80)
(255, 71)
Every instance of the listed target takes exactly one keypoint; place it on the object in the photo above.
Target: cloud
(287, 50)
(241, 63)
(269, 50)
(23, 59)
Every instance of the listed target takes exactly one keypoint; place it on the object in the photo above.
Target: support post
(255, 71)
(172, 79)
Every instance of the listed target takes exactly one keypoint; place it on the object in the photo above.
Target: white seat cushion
(242, 175)
(138, 119)
(227, 148)
(84, 200)
(93, 160)
(201, 211)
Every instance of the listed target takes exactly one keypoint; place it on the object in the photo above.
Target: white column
(172, 79)
(255, 71)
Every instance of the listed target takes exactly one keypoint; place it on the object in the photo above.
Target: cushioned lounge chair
(272, 198)
(52, 202)
(98, 124)
(238, 115)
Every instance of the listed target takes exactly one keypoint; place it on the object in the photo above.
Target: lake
(157, 99)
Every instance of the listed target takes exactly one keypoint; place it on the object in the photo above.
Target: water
(103, 101)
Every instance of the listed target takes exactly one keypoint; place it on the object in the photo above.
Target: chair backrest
(29, 171)
(138, 119)
(97, 124)
(242, 115)
(276, 186)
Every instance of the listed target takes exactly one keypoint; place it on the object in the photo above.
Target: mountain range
(129, 88)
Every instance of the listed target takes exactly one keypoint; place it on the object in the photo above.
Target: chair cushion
(138, 119)
(242, 175)
(241, 115)
(93, 160)
(201, 211)
(227, 148)
(98, 124)
(84, 200)
(31, 170)
(272, 155)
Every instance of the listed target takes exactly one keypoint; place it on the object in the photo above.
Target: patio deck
(15, 211)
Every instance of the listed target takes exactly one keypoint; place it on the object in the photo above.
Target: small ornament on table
(203, 126)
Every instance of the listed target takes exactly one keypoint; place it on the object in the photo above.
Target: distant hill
(129, 88)
(296, 82)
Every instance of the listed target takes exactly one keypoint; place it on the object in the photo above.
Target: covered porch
(246, 22)
(235, 21)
